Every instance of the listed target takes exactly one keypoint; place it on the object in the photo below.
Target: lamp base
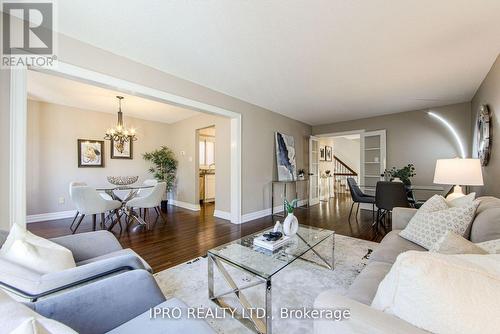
(457, 193)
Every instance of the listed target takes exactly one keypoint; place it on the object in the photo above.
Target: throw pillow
(35, 253)
(452, 243)
(436, 217)
(491, 246)
(452, 293)
(462, 201)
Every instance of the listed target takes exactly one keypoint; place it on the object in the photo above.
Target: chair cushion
(18, 318)
(120, 252)
(391, 246)
(365, 286)
(145, 324)
(39, 254)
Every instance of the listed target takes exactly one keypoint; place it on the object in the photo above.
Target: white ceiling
(53, 89)
(317, 61)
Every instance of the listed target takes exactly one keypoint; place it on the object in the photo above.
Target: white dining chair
(88, 202)
(150, 201)
(79, 184)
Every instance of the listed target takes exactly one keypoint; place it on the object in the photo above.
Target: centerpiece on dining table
(122, 180)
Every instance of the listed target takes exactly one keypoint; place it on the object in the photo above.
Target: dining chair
(89, 202)
(359, 197)
(152, 200)
(389, 195)
(79, 184)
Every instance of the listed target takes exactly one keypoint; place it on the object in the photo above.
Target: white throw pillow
(436, 217)
(462, 201)
(457, 294)
(20, 319)
(35, 253)
(491, 246)
(452, 243)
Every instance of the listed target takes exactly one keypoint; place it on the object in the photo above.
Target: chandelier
(120, 134)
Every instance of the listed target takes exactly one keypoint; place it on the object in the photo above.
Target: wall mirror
(483, 129)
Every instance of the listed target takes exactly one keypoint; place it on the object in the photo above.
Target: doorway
(206, 170)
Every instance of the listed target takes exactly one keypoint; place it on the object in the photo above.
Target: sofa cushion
(39, 254)
(452, 243)
(486, 225)
(18, 318)
(391, 246)
(126, 251)
(364, 287)
(144, 323)
(491, 246)
(443, 293)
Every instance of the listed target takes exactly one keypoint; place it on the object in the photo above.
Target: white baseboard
(50, 216)
(222, 214)
(266, 212)
(185, 205)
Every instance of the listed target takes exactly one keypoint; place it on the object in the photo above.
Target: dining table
(124, 193)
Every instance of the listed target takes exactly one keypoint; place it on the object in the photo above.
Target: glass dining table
(124, 193)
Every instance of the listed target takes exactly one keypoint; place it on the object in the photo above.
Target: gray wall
(415, 137)
(4, 148)
(489, 93)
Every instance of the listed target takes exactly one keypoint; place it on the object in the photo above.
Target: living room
(415, 86)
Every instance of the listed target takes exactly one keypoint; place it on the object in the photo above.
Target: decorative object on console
(291, 223)
(400, 175)
(164, 169)
(90, 153)
(301, 174)
(483, 129)
(122, 180)
(458, 172)
(285, 157)
(328, 153)
(120, 134)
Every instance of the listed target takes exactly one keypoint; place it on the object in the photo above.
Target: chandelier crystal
(120, 134)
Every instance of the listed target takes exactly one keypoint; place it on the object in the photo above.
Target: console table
(284, 184)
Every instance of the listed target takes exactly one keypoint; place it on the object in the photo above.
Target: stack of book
(261, 241)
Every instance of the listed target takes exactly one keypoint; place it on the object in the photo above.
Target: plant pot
(290, 224)
(164, 205)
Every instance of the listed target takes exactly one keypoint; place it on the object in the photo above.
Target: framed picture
(122, 150)
(328, 153)
(322, 153)
(285, 157)
(90, 153)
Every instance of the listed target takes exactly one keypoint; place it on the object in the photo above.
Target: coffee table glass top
(266, 263)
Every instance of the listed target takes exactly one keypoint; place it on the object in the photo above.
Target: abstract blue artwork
(285, 157)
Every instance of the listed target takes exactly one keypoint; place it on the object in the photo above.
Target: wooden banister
(347, 171)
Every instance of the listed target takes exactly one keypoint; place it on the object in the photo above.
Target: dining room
(112, 160)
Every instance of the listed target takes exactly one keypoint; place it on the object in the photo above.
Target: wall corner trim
(185, 205)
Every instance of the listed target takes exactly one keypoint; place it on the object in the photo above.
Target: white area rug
(296, 286)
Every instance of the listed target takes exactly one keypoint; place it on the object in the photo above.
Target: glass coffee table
(263, 265)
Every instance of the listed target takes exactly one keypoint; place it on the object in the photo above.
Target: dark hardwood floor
(187, 234)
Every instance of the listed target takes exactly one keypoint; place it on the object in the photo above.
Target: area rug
(294, 287)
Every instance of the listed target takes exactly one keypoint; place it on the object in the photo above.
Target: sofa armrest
(33, 287)
(88, 245)
(101, 306)
(401, 217)
(363, 320)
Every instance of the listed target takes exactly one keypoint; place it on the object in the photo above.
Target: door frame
(18, 128)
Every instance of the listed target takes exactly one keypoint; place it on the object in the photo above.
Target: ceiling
(53, 89)
(317, 61)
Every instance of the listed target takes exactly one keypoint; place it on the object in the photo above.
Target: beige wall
(347, 150)
(258, 124)
(52, 155)
(184, 139)
(4, 148)
(415, 137)
(489, 93)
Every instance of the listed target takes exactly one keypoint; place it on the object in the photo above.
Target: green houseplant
(404, 174)
(164, 167)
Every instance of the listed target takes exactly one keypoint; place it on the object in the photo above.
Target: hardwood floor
(187, 234)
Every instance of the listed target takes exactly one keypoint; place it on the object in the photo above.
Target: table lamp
(465, 172)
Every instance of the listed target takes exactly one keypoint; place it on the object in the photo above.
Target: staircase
(340, 174)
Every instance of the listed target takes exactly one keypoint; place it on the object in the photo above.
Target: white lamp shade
(458, 171)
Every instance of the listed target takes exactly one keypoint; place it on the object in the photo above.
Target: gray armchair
(97, 255)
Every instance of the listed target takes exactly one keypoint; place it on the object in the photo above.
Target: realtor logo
(28, 34)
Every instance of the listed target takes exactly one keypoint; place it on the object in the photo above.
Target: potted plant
(164, 168)
(291, 223)
(402, 174)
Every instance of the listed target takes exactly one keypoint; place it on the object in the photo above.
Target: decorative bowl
(122, 180)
